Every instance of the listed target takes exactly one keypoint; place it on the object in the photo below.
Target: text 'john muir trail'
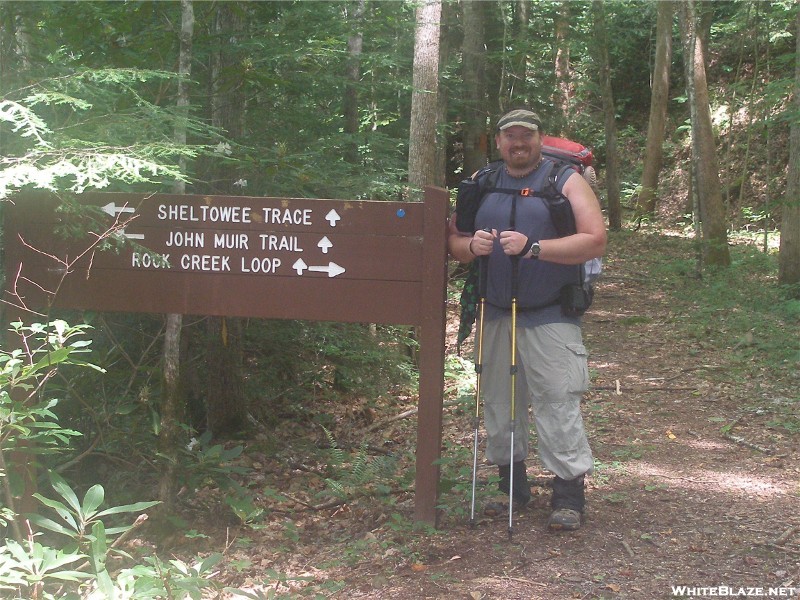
(233, 241)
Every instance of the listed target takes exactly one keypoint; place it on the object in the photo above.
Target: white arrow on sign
(299, 266)
(332, 217)
(332, 269)
(324, 244)
(113, 210)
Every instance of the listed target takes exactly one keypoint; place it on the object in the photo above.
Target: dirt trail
(690, 490)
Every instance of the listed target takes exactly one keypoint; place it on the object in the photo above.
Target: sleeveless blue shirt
(540, 282)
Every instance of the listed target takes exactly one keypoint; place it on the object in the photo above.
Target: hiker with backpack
(510, 219)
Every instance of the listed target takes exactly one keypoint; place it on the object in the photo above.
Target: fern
(24, 121)
(357, 473)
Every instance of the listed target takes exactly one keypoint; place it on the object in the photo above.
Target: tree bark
(563, 91)
(714, 236)
(789, 260)
(659, 99)
(442, 97)
(518, 88)
(424, 98)
(172, 409)
(355, 44)
(225, 400)
(609, 111)
(473, 51)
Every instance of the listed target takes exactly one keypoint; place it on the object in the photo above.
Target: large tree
(705, 167)
(473, 66)
(610, 116)
(659, 99)
(789, 269)
(422, 150)
(563, 88)
(224, 377)
(173, 401)
(355, 45)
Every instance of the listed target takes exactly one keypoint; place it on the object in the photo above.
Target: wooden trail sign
(278, 258)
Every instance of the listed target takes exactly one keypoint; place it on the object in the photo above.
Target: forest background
(363, 100)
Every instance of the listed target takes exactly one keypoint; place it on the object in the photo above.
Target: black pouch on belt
(576, 299)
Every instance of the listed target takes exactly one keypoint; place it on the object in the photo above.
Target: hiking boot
(499, 508)
(522, 490)
(568, 503)
(564, 519)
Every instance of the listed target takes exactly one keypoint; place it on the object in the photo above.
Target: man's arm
(590, 239)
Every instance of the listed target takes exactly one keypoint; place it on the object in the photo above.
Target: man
(515, 234)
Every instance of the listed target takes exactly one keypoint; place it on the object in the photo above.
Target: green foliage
(749, 319)
(298, 360)
(154, 579)
(244, 508)
(357, 473)
(78, 517)
(26, 413)
(101, 150)
(277, 581)
(33, 567)
(207, 462)
(35, 570)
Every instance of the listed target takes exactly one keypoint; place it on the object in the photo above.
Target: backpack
(576, 154)
(471, 192)
(575, 299)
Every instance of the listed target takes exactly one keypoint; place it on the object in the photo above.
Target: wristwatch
(534, 251)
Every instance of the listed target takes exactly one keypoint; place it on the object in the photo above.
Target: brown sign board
(238, 256)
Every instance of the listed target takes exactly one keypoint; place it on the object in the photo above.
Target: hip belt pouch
(467, 202)
(576, 299)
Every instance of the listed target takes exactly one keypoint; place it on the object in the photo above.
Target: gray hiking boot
(568, 503)
(564, 519)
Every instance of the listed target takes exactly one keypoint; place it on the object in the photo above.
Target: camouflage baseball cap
(523, 118)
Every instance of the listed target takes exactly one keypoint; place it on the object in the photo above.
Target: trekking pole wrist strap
(526, 248)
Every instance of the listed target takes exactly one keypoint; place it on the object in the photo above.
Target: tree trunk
(659, 100)
(225, 400)
(612, 159)
(562, 91)
(170, 437)
(442, 97)
(704, 152)
(789, 260)
(518, 88)
(474, 76)
(424, 98)
(354, 47)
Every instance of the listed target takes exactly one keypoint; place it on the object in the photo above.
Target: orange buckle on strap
(526, 192)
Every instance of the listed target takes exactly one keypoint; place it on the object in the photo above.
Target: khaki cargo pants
(552, 375)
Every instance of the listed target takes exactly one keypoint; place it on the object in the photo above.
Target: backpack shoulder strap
(557, 171)
(487, 176)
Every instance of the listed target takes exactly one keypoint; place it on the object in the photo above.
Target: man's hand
(482, 242)
(513, 242)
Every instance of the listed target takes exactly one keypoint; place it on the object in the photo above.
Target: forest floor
(697, 482)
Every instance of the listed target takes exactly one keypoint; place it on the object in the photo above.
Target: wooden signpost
(277, 258)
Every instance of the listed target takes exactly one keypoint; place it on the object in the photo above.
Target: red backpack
(578, 155)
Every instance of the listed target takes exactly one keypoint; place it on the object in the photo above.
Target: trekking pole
(482, 267)
(514, 291)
